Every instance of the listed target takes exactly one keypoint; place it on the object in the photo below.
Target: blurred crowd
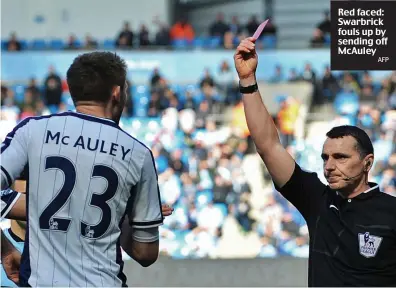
(214, 93)
(221, 34)
(225, 203)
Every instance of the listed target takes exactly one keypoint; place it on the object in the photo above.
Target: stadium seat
(377, 87)
(180, 236)
(65, 97)
(352, 120)
(38, 44)
(178, 140)
(192, 88)
(199, 42)
(222, 207)
(384, 118)
(153, 125)
(203, 197)
(284, 248)
(24, 44)
(68, 101)
(180, 44)
(161, 163)
(327, 93)
(236, 41)
(198, 132)
(4, 45)
(140, 104)
(140, 110)
(108, 44)
(214, 42)
(218, 97)
(53, 108)
(57, 44)
(175, 88)
(346, 103)
(327, 39)
(383, 149)
(139, 90)
(180, 92)
(367, 121)
(198, 98)
(269, 42)
(78, 43)
(19, 93)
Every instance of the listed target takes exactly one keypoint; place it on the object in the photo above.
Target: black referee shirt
(352, 241)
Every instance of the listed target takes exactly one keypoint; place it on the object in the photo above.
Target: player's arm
(261, 126)
(14, 154)
(127, 234)
(140, 239)
(18, 211)
(13, 205)
(10, 259)
(142, 245)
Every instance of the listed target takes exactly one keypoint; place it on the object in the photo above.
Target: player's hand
(11, 263)
(246, 59)
(166, 210)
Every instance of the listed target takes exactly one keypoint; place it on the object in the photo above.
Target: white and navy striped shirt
(8, 199)
(82, 172)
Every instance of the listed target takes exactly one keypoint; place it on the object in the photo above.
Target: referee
(352, 225)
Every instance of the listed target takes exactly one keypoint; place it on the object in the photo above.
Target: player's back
(82, 171)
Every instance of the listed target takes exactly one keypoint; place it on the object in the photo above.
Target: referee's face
(341, 162)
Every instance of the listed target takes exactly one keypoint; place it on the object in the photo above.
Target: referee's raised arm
(261, 126)
(351, 223)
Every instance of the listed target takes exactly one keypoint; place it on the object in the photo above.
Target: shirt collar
(92, 116)
(372, 191)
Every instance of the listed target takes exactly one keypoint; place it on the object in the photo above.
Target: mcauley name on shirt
(91, 144)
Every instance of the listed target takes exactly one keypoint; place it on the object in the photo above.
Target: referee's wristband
(249, 89)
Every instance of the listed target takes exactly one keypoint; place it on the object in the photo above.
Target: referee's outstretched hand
(246, 59)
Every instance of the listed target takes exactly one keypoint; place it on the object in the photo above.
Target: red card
(260, 29)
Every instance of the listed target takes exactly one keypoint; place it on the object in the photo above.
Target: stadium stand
(221, 34)
(225, 203)
(208, 171)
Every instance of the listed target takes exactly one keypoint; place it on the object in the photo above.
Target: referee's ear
(369, 160)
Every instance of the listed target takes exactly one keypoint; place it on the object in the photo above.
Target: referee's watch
(249, 89)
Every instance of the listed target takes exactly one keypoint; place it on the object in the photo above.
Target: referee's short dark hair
(92, 76)
(364, 145)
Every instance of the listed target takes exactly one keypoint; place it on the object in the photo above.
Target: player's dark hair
(364, 145)
(92, 76)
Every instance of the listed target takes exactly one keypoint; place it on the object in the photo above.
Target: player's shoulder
(141, 152)
(137, 144)
(37, 119)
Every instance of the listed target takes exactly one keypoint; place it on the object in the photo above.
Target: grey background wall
(210, 273)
